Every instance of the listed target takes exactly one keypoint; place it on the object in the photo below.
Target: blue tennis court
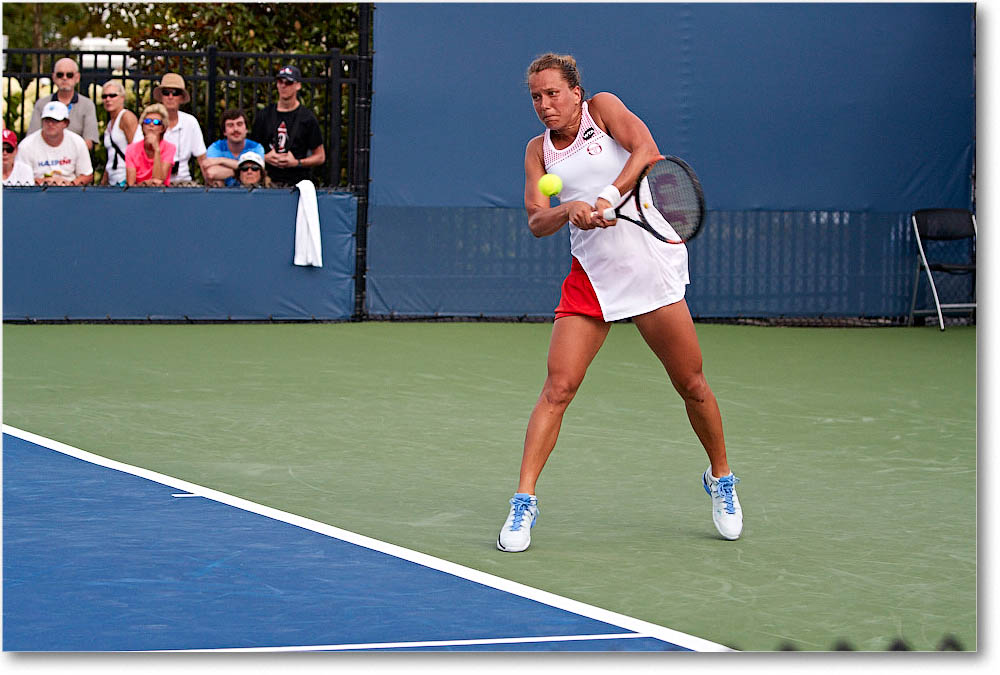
(103, 556)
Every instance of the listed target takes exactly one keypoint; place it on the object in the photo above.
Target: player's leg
(574, 344)
(670, 333)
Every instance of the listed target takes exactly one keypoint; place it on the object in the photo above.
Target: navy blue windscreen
(815, 129)
(851, 107)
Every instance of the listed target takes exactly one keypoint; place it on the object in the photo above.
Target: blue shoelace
(726, 485)
(520, 506)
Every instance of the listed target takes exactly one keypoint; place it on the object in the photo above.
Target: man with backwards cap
(14, 172)
(289, 132)
(56, 155)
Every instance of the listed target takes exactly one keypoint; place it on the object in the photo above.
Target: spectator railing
(335, 86)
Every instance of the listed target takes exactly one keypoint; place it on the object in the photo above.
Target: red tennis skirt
(578, 296)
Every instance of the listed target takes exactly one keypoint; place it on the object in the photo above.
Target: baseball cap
(55, 110)
(10, 138)
(290, 73)
(251, 156)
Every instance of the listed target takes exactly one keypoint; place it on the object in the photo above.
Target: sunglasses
(285, 82)
(154, 122)
(171, 92)
(250, 167)
(8, 148)
(64, 76)
(106, 96)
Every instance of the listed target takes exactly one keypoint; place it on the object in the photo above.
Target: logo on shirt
(595, 149)
(589, 133)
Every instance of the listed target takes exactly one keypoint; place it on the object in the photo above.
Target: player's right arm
(543, 219)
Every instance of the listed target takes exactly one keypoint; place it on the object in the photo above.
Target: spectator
(14, 172)
(290, 132)
(82, 112)
(182, 129)
(122, 130)
(56, 155)
(225, 154)
(252, 170)
(148, 162)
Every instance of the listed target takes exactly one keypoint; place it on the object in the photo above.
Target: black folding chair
(944, 225)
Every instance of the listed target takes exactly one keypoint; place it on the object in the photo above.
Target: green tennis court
(856, 449)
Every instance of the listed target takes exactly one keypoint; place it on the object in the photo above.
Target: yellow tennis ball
(550, 184)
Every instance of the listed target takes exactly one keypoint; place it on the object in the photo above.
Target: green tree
(305, 28)
(50, 25)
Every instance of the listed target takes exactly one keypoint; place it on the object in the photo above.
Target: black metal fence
(337, 87)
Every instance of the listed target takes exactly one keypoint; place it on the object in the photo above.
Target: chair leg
(930, 275)
(913, 297)
(937, 301)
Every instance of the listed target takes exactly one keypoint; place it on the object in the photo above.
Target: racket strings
(673, 195)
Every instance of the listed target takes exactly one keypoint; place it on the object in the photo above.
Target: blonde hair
(157, 108)
(564, 63)
(118, 84)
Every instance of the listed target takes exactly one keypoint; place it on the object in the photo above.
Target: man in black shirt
(289, 132)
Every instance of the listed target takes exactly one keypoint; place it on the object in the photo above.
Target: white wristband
(611, 195)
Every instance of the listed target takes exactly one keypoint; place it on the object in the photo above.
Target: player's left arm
(631, 133)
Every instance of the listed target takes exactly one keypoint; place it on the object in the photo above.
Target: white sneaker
(515, 536)
(726, 512)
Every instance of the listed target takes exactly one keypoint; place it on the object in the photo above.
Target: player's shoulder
(534, 147)
(604, 100)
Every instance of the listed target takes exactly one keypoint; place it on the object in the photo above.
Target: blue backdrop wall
(172, 254)
(827, 115)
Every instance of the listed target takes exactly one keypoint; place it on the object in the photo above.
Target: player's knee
(693, 387)
(560, 391)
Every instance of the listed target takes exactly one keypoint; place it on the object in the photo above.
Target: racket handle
(608, 214)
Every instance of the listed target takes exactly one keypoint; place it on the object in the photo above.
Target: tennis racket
(666, 190)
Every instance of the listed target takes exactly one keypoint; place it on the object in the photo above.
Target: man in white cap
(82, 112)
(56, 155)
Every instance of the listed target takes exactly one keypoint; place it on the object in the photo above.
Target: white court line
(623, 621)
(434, 643)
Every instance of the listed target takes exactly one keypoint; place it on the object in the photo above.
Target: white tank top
(632, 273)
(116, 174)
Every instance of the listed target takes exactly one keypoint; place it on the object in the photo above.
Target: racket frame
(634, 195)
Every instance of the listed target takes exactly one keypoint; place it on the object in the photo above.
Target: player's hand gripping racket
(671, 190)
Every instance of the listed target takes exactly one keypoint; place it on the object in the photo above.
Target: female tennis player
(599, 147)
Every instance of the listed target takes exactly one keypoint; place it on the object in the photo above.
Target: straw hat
(171, 81)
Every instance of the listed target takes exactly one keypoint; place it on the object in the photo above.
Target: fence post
(361, 150)
(212, 80)
(335, 116)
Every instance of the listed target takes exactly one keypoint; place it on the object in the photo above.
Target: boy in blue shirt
(223, 155)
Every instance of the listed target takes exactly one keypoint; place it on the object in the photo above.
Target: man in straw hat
(183, 129)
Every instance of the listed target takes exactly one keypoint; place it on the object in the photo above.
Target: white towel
(308, 247)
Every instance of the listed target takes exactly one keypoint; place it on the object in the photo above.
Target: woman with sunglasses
(148, 161)
(14, 172)
(122, 130)
(251, 171)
